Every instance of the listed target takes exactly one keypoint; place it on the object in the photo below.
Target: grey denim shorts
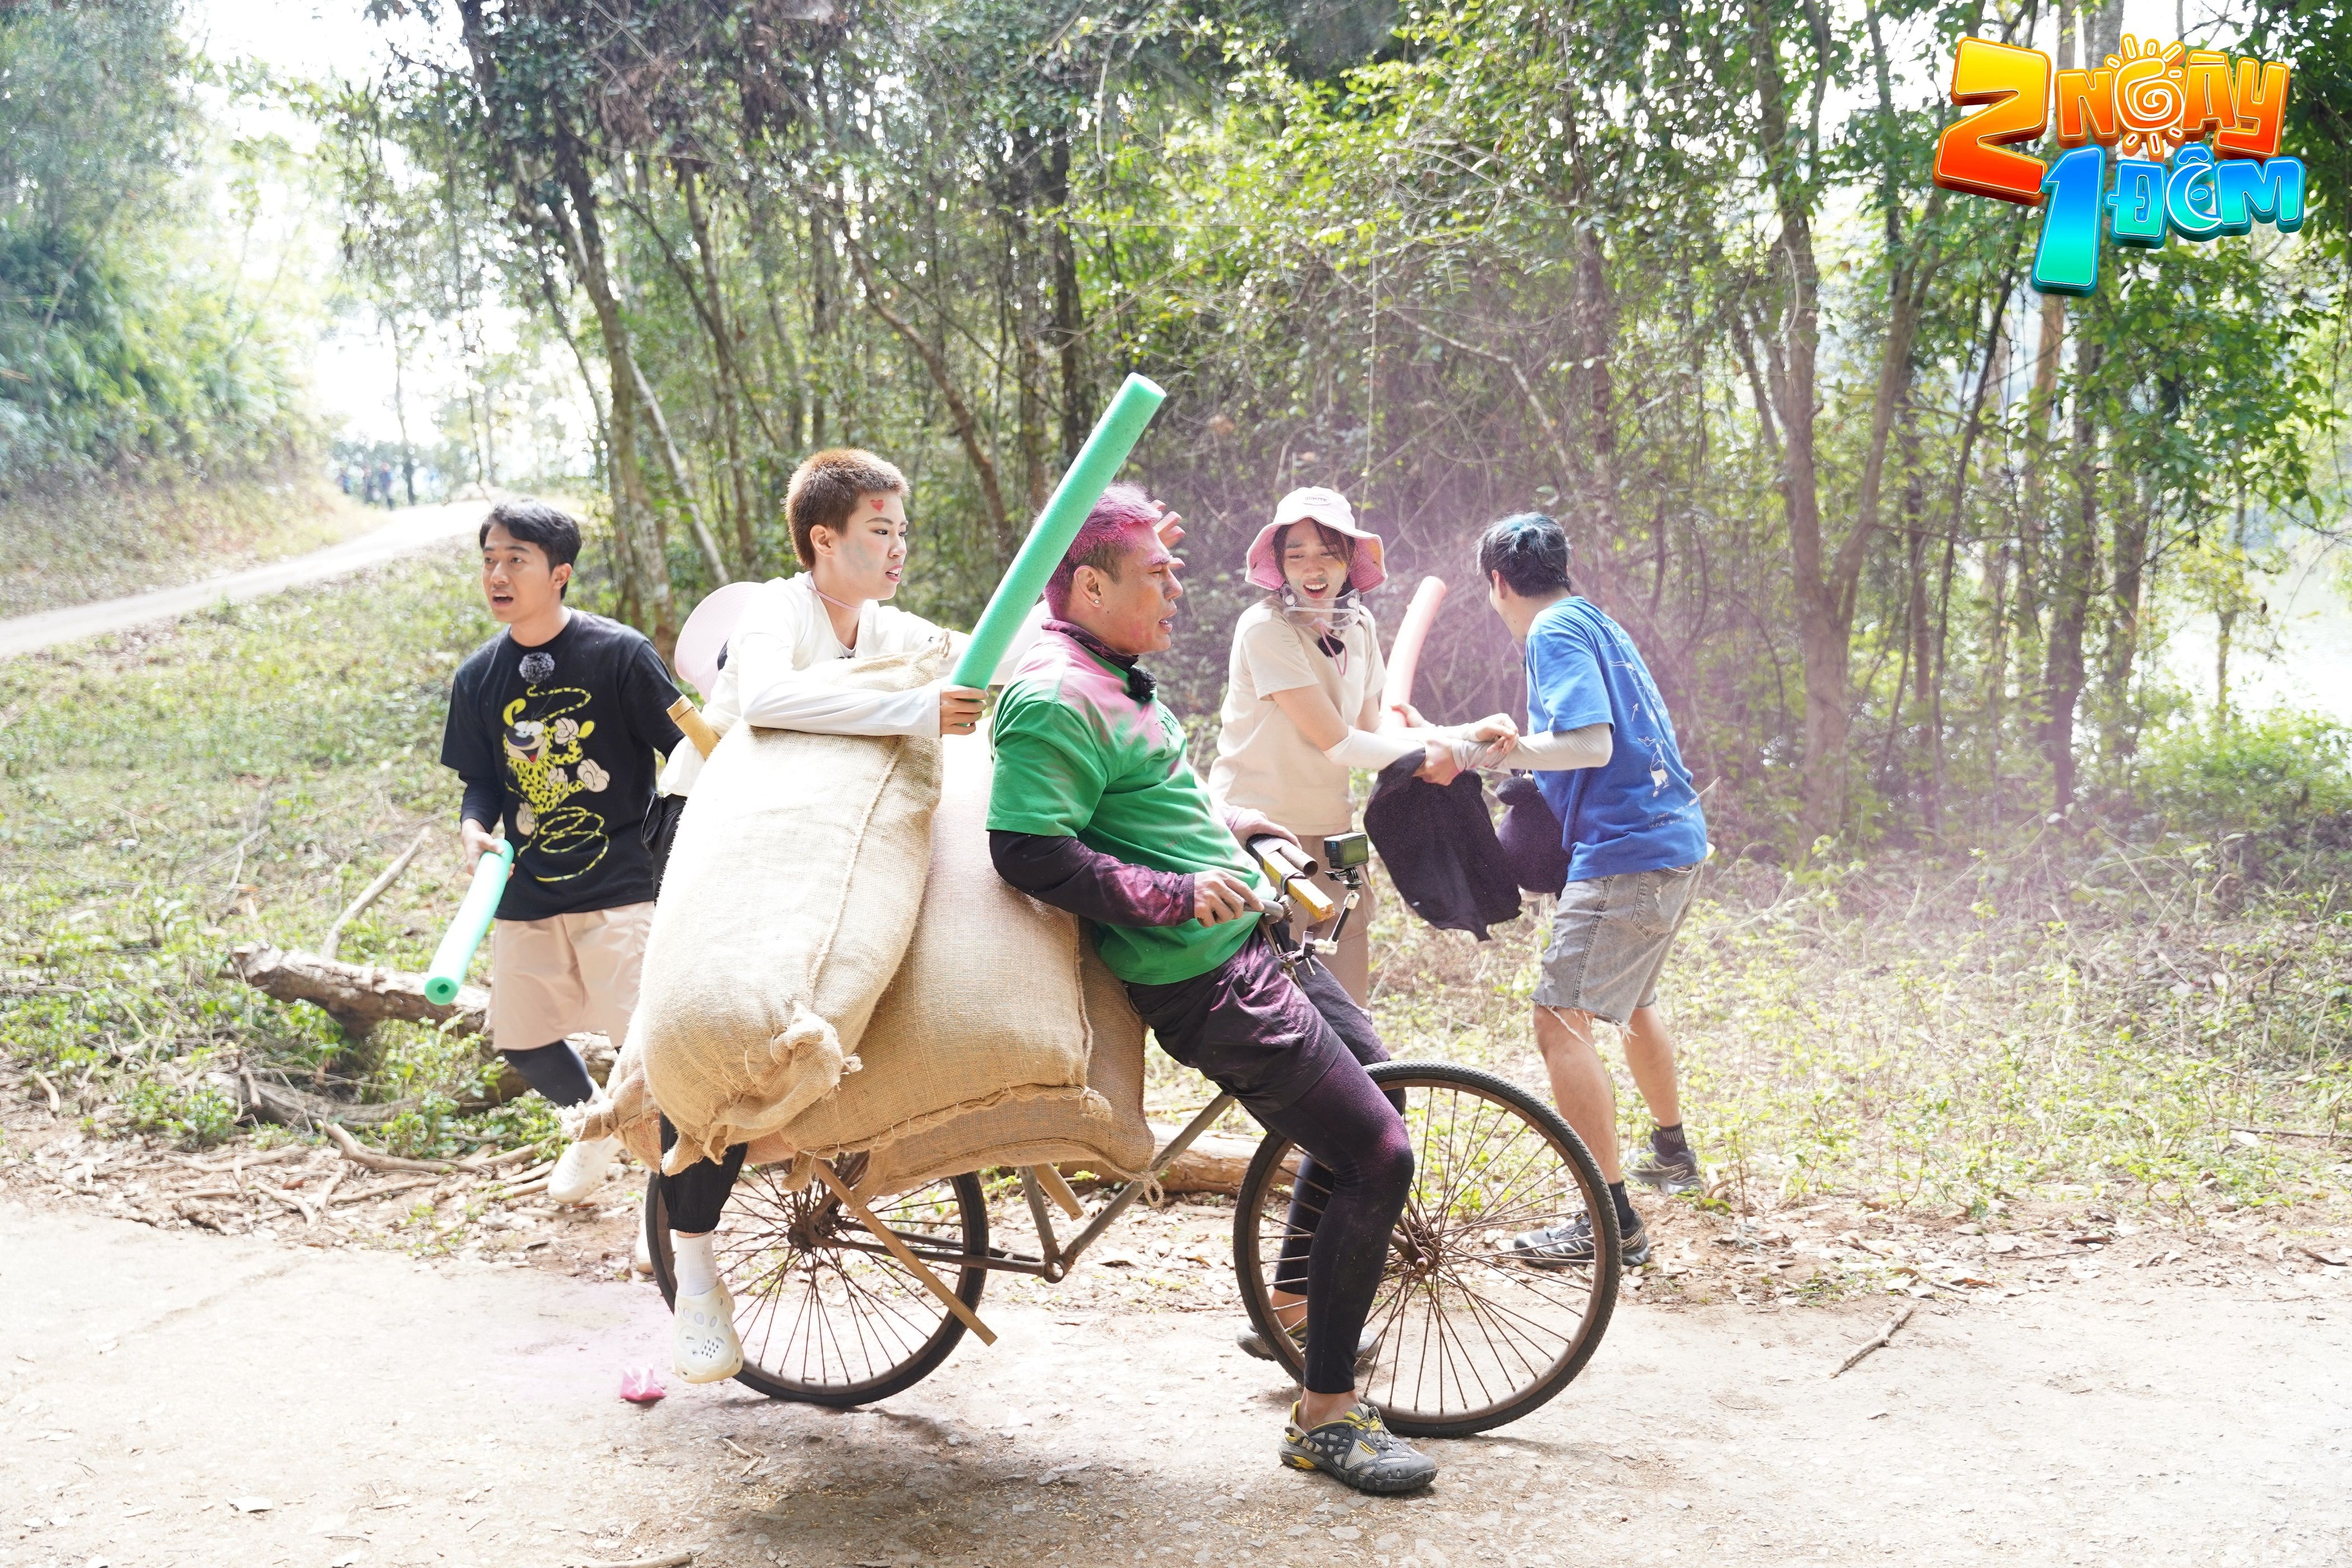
(1608, 940)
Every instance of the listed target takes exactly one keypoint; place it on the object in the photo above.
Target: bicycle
(841, 1303)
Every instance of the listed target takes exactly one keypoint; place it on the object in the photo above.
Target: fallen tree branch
(1212, 1164)
(1884, 1335)
(358, 996)
(375, 1161)
(367, 1195)
(374, 892)
(361, 992)
(290, 1107)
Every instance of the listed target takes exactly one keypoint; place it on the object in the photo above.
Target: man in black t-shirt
(553, 726)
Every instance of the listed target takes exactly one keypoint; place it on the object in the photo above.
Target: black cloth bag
(1438, 843)
(1530, 837)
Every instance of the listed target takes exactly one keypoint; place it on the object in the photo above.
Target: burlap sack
(1002, 1040)
(790, 897)
(986, 1007)
(1103, 1130)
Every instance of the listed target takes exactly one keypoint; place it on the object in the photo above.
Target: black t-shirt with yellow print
(558, 742)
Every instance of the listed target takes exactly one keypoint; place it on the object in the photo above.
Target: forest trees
(1900, 538)
(124, 339)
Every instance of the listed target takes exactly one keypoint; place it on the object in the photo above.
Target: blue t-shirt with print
(1638, 812)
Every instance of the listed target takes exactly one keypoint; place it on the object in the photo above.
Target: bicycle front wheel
(1470, 1337)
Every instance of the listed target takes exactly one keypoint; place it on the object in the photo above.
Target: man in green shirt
(1095, 810)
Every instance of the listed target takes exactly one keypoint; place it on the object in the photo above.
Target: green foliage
(190, 1114)
(122, 335)
(1933, 1036)
(2248, 776)
(237, 779)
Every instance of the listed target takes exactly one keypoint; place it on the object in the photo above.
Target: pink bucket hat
(1367, 568)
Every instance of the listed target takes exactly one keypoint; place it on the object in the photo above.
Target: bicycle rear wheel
(825, 1314)
(1470, 1338)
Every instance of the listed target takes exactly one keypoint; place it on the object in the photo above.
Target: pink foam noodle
(1405, 658)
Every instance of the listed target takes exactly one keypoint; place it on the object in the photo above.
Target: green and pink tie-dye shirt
(1078, 757)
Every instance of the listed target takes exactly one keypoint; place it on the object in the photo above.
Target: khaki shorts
(566, 974)
(1609, 937)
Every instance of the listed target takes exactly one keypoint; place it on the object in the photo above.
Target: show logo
(2195, 138)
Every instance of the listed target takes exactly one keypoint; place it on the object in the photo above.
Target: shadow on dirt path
(178, 1398)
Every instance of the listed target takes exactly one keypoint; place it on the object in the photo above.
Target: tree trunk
(2119, 733)
(1822, 630)
(645, 573)
(2077, 566)
(675, 466)
(1022, 292)
(400, 409)
(1067, 337)
(633, 507)
(967, 424)
(1594, 334)
(728, 386)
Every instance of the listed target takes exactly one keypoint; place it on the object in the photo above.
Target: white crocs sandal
(702, 1337)
(580, 1170)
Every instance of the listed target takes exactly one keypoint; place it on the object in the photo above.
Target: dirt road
(413, 528)
(174, 1397)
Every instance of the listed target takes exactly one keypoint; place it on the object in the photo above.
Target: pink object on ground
(1404, 658)
(706, 633)
(638, 1386)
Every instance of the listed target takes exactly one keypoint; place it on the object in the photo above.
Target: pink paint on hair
(1123, 512)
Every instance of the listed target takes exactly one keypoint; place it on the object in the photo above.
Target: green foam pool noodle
(1097, 463)
(455, 954)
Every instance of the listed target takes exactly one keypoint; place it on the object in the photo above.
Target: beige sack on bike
(978, 1053)
(791, 895)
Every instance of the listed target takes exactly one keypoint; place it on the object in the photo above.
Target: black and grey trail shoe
(1254, 1343)
(1668, 1166)
(1359, 1450)
(1569, 1245)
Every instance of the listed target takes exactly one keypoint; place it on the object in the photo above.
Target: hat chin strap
(1341, 612)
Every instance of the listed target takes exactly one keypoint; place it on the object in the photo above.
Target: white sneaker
(582, 1169)
(641, 1262)
(702, 1337)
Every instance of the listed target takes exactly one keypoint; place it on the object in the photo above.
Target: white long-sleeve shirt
(784, 635)
(1556, 750)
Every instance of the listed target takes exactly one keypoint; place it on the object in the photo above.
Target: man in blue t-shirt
(1603, 754)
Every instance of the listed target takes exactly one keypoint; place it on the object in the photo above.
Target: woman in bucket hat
(1302, 710)
(1302, 695)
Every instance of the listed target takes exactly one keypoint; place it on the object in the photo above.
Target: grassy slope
(1907, 1033)
(237, 778)
(73, 545)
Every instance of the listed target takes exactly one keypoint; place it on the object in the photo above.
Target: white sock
(698, 1271)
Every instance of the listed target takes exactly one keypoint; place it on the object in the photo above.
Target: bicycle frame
(1059, 1256)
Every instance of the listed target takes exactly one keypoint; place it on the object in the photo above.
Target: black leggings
(696, 1197)
(556, 1071)
(1342, 1209)
(1260, 1035)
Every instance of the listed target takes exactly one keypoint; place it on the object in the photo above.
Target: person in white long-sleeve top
(847, 511)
